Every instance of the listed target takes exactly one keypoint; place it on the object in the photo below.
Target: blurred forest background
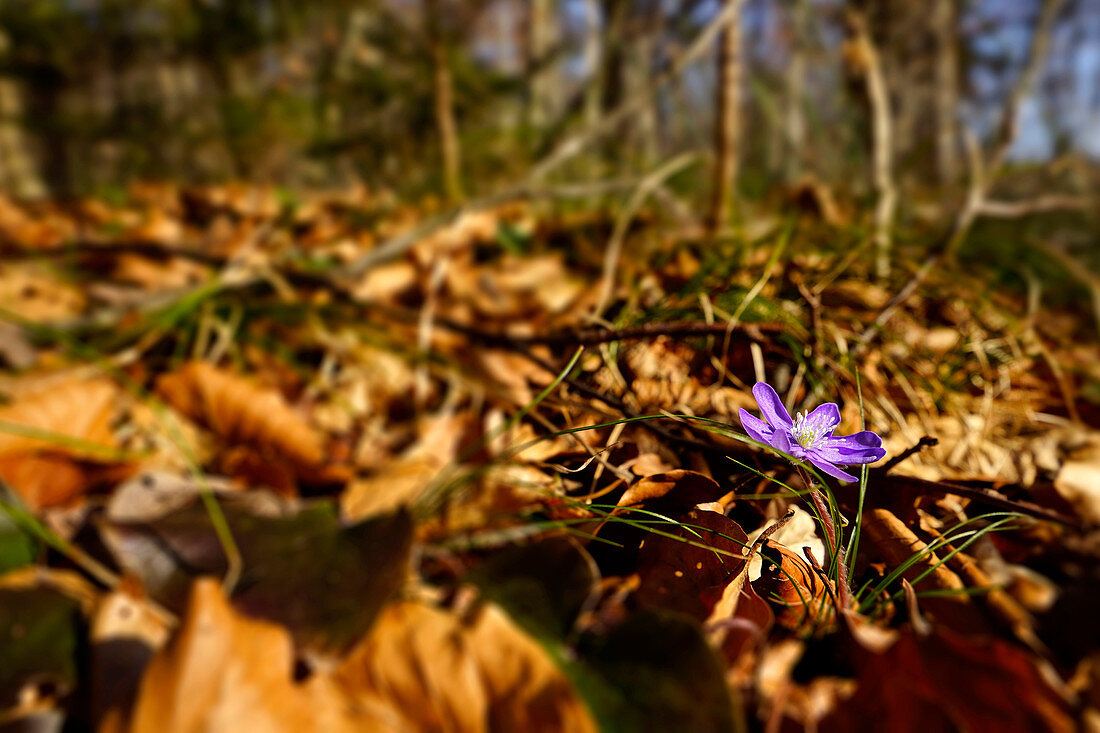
(471, 295)
(457, 98)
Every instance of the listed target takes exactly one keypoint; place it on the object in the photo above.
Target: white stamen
(803, 433)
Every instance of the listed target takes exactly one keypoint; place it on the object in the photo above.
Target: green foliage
(39, 640)
(16, 547)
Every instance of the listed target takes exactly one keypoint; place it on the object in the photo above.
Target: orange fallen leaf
(679, 489)
(57, 443)
(447, 673)
(402, 481)
(225, 672)
(790, 582)
(269, 440)
(892, 540)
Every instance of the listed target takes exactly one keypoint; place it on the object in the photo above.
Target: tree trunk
(443, 96)
(19, 172)
(727, 141)
(862, 52)
(542, 36)
(591, 53)
(794, 119)
(944, 19)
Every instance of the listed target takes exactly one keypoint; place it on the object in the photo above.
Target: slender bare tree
(542, 37)
(443, 102)
(794, 118)
(727, 141)
(863, 58)
(944, 20)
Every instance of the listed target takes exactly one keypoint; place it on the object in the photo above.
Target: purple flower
(810, 437)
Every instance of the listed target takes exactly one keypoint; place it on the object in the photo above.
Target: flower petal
(756, 428)
(781, 440)
(772, 407)
(824, 419)
(863, 447)
(818, 460)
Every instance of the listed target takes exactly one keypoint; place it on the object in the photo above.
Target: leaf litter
(253, 478)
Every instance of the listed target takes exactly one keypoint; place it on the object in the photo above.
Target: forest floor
(257, 473)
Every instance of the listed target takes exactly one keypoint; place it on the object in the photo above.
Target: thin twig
(824, 577)
(594, 336)
(992, 498)
(925, 442)
(1037, 205)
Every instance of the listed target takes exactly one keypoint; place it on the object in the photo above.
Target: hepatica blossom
(810, 437)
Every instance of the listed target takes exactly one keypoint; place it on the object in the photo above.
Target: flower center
(803, 432)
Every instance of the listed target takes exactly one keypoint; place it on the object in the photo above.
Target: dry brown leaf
(948, 682)
(225, 672)
(46, 473)
(797, 532)
(386, 283)
(692, 578)
(271, 441)
(30, 290)
(401, 481)
(889, 538)
(150, 274)
(32, 231)
(443, 673)
(1078, 481)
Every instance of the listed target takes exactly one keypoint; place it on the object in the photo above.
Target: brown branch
(443, 103)
(1037, 205)
(925, 442)
(562, 153)
(593, 336)
(150, 249)
(985, 496)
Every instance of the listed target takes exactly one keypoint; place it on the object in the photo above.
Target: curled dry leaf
(795, 533)
(83, 453)
(677, 490)
(274, 443)
(444, 673)
(797, 592)
(224, 672)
